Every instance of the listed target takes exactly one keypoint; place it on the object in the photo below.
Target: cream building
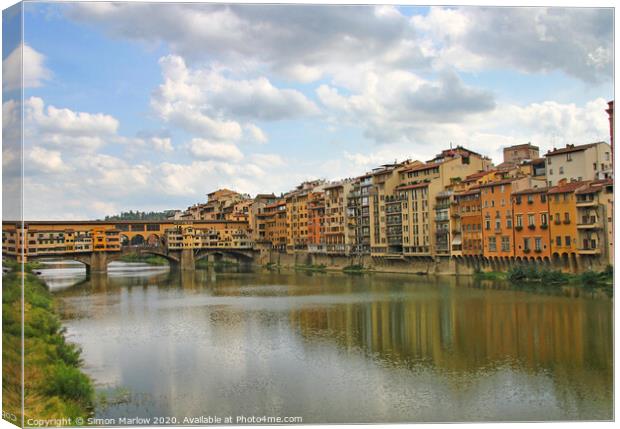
(584, 162)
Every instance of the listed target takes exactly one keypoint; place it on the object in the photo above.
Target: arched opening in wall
(565, 262)
(137, 240)
(519, 260)
(153, 240)
(546, 260)
(576, 261)
(124, 240)
(539, 260)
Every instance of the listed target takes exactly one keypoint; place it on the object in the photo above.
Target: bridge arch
(153, 240)
(137, 240)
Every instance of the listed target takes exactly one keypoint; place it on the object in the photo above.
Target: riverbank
(151, 260)
(55, 386)
(440, 266)
(549, 277)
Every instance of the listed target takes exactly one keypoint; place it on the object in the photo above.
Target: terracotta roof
(496, 183)
(521, 146)
(477, 175)
(506, 165)
(417, 185)
(571, 148)
(472, 191)
(531, 191)
(594, 186)
(422, 167)
(566, 187)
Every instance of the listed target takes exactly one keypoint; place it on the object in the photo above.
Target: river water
(333, 348)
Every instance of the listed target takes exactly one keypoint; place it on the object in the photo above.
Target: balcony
(586, 203)
(589, 251)
(589, 225)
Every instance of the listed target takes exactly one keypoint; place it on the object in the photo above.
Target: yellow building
(339, 226)
(563, 220)
(594, 203)
(297, 216)
(420, 185)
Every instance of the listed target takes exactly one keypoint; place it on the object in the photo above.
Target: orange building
(497, 231)
(275, 225)
(469, 213)
(563, 219)
(316, 222)
(531, 223)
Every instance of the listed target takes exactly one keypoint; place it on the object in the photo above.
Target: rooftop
(571, 148)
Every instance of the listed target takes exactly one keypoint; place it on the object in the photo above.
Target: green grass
(55, 387)
(491, 275)
(547, 277)
(355, 269)
(150, 259)
(311, 267)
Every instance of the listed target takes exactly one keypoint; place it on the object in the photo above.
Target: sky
(138, 106)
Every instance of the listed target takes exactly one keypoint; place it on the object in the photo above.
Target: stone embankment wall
(423, 265)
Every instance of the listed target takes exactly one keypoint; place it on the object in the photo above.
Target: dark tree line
(138, 215)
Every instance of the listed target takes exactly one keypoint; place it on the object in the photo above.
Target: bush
(516, 274)
(590, 278)
(70, 383)
(553, 277)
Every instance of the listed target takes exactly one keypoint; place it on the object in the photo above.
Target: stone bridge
(184, 259)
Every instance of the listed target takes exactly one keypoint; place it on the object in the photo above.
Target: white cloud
(268, 160)
(256, 134)
(161, 144)
(576, 41)
(205, 149)
(39, 159)
(396, 106)
(301, 42)
(547, 125)
(207, 103)
(34, 70)
(64, 127)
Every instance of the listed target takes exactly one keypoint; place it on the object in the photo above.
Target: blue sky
(151, 106)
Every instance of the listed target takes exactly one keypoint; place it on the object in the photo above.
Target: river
(333, 348)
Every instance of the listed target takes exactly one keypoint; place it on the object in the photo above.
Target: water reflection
(338, 348)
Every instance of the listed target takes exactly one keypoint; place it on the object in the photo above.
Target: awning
(456, 240)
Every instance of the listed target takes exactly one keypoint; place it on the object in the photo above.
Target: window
(551, 172)
(531, 220)
(566, 217)
(594, 165)
(509, 223)
(543, 219)
(549, 161)
(526, 244)
(498, 224)
(550, 183)
(492, 244)
(519, 220)
(487, 222)
(606, 156)
(567, 240)
(569, 157)
(505, 244)
(558, 240)
(543, 198)
(530, 199)
(538, 244)
(561, 170)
